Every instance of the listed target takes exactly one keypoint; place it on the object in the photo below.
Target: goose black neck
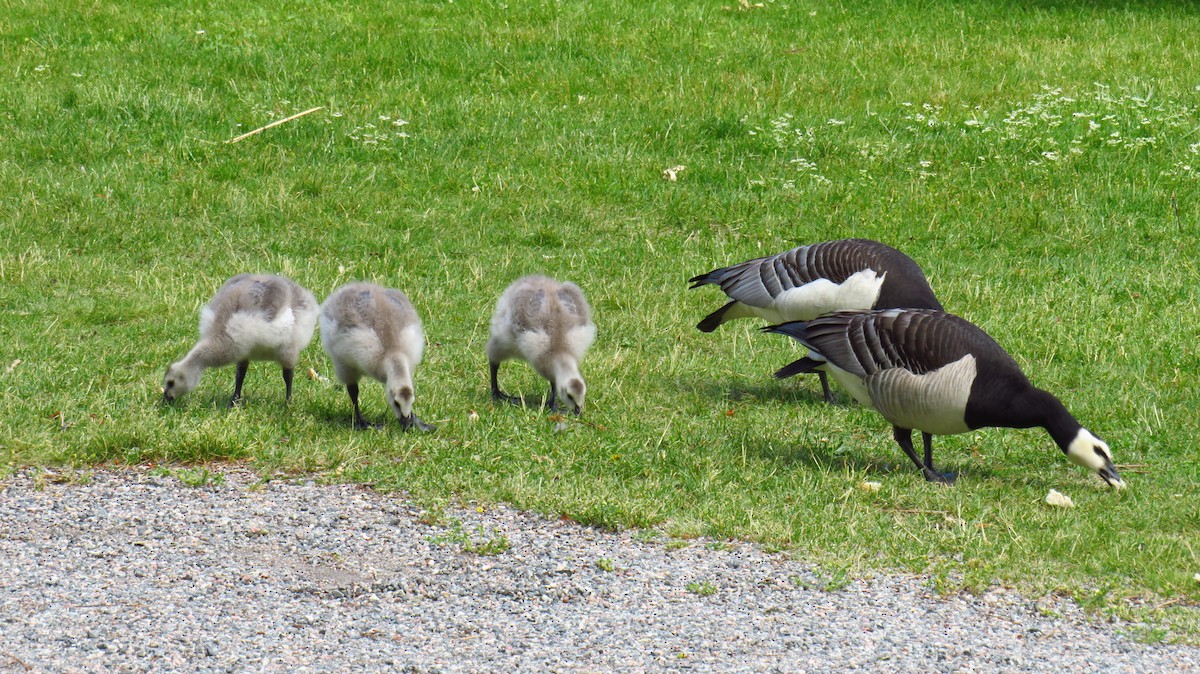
(1052, 415)
(1028, 408)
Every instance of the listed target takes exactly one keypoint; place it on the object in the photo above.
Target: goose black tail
(710, 278)
(801, 366)
(714, 319)
(793, 329)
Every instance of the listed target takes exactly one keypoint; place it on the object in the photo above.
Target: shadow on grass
(875, 461)
(794, 391)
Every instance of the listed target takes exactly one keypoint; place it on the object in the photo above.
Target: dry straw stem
(273, 124)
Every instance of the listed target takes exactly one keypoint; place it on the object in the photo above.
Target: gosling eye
(170, 383)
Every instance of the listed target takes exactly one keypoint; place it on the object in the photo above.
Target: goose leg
(947, 478)
(497, 394)
(903, 438)
(238, 378)
(287, 383)
(360, 423)
(552, 401)
(825, 386)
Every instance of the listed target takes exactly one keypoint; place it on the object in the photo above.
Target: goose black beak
(1111, 476)
(577, 410)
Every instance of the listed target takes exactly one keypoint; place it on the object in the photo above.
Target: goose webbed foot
(930, 472)
(501, 396)
(940, 478)
(360, 422)
(413, 421)
(903, 438)
(497, 394)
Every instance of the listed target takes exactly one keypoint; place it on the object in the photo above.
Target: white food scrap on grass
(1059, 500)
(672, 174)
(870, 486)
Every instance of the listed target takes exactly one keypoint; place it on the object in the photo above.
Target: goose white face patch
(1090, 452)
(934, 402)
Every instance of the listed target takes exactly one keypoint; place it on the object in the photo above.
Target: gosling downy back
(252, 317)
(374, 331)
(548, 324)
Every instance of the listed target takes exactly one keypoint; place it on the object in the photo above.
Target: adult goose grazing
(374, 331)
(930, 371)
(548, 324)
(805, 282)
(252, 317)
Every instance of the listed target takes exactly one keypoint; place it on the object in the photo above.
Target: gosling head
(1092, 453)
(400, 398)
(572, 393)
(179, 381)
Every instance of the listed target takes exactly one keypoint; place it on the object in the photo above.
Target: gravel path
(137, 572)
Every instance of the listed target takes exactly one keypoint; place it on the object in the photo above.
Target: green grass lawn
(1041, 160)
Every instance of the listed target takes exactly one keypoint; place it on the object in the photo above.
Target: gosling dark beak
(577, 410)
(413, 421)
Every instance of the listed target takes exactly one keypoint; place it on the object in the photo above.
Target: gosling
(252, 317)
(548, 324)
(374, 331)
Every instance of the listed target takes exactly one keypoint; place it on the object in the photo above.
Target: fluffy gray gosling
(252, 317)
(548, 324)
(374, 331)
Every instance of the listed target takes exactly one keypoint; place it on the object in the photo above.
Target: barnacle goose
(930, 371)
(805, 282)
(374, 331)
